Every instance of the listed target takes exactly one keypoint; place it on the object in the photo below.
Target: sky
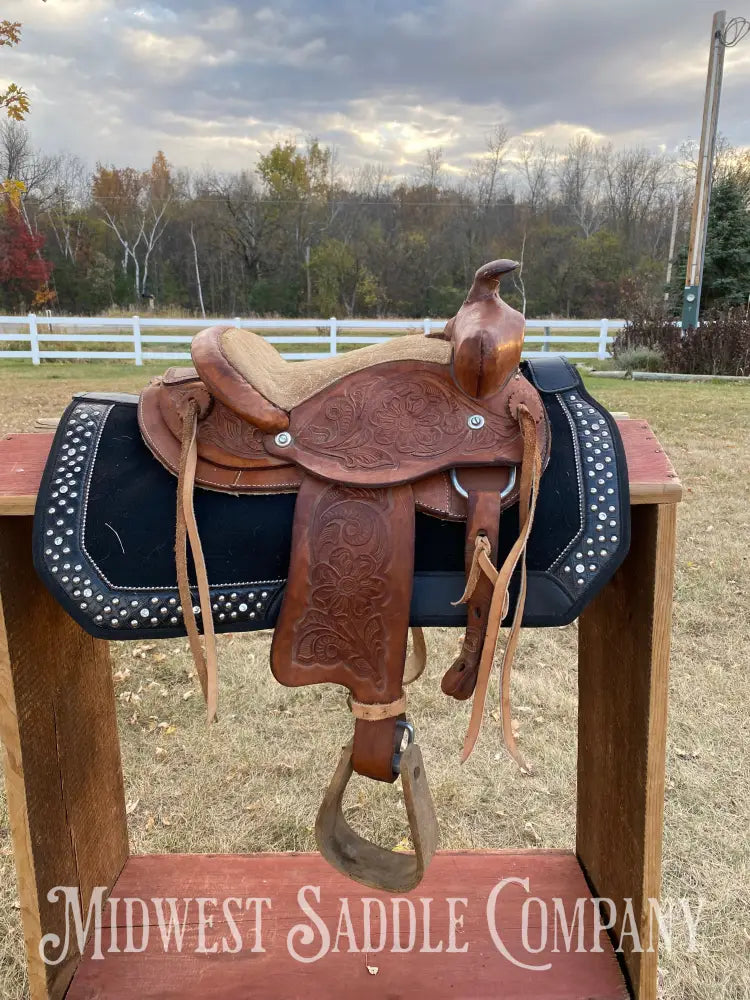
(215, 84)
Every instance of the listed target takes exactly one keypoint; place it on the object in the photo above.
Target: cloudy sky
(382, 80)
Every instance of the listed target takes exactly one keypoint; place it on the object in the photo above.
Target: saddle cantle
(385, 452)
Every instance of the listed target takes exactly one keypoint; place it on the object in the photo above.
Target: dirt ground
(250, 784)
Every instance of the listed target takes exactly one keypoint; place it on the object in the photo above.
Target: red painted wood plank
(22, 459)
(481, 971)
(652, 476)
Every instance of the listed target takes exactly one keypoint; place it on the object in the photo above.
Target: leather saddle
(365, 439)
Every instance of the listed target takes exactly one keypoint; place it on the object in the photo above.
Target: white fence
(38, 330)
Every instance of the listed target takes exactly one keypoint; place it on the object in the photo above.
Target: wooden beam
(652, 477)
(62, 754)
(623, 672)
(480, 971)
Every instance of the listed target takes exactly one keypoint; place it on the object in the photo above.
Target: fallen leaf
(188, 694)
(161, 752)
(402, 846)
(531, 834)
(131, 806)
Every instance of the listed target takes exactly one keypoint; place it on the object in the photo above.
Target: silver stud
(144, 612)
(603, 553)
(243, 606)
(580, 567)
(613, 538)
(264, 593)
(283, 439)
(475, 421)
(592, 567)
(567, 569)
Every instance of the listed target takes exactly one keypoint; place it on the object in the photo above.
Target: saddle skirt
(425, 481)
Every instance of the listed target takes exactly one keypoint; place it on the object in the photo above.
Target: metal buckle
(503, 493)
(403, 728)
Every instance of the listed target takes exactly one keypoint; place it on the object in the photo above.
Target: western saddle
(443, 423)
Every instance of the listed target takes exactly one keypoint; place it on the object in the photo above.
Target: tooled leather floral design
(372, 425)
(349, 562)
(227, 431)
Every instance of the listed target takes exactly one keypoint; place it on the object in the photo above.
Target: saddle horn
(487, 334)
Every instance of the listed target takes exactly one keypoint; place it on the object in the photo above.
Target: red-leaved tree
(24, 273)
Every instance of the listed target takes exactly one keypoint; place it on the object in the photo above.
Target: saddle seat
(249, 376)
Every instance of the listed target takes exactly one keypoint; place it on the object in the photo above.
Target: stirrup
(364, 861)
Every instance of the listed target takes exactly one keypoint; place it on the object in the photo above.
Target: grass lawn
(254, 783)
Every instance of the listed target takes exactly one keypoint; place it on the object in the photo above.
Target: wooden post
(137, 344)
(62, 755)
(332, 341)
(623, 670)
(34, 339)
(602, 345)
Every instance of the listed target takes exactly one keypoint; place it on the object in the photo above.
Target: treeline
(297, 235)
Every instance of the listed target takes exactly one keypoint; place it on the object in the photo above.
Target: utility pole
(672, 241)
(697, 246)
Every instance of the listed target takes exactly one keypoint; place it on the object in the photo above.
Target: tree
(726, 268)
(23, 271)
(134, 206)
(13, 100)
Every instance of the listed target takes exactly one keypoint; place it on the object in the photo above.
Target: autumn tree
(23, 271)
(134, 205)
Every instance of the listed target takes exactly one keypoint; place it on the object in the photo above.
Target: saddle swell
(447, 425)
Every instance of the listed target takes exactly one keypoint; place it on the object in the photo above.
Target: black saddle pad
(105, 524)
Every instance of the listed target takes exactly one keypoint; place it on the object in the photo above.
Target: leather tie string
(531, 470)
(206, 661)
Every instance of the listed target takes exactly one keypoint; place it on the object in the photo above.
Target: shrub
(719, 346)
(641, 359)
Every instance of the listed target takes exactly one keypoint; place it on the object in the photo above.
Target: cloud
(382, 80)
